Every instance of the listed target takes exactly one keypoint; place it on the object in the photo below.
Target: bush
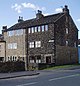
(6, 67)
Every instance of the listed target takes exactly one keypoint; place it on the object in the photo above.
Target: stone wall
(66, 55)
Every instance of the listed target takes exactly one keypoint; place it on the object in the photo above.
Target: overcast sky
(10, 10)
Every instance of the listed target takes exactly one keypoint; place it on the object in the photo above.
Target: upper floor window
(32, 29)
(43, 28)
(10, 33)
(66, 43)
(29, 30)
(9, 46)
(67, 31)
(31, 45)
(46, 27)
(12, 46)
(39, 28)
(35, 29)
(38, 44)
(19, 32)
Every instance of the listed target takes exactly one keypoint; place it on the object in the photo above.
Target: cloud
(32, 6)
(78, 20)
(58, 10)
(19, 8)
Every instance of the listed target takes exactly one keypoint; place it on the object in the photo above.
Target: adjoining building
(2, 49)
(44, 39)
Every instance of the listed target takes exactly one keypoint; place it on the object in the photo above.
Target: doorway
(48, 59)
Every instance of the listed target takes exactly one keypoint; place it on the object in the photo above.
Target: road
(46, 78)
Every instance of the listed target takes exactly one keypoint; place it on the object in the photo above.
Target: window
(9, 46)
(19, 32)
(35, 29)
(29, 30)
(66, 43)
(67, 31)
(32, 29)
(0, 46)
(12, 46)
(38, 44)
(42, 28)
(38, 60)
(75, 44)
(10, 33)
(39, 29)
(46, 27)
(31, 45)
(32, 59)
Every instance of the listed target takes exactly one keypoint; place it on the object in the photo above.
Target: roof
(35, 21)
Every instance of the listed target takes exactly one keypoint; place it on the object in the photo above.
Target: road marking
(27, 84)
(64, 77)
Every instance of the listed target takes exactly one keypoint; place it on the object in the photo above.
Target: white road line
(64, 77)
(27, 84)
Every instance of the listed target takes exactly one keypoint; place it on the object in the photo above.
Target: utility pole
(26, 50)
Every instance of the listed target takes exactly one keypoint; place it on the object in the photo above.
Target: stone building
(2, 49)
(44, 39)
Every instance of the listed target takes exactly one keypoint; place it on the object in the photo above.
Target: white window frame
(14, 45)
(37, 44)
(35, 29)
(11, 33)
(10, 46)
(31, 61)
(31, 45)
(46, 27)
(29, 30)
(67, 43)
(32, 29)
(43, 28)
(67, 30)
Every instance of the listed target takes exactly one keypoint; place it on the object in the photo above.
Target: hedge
(9, 66)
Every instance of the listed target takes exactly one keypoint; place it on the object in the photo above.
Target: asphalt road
(46, 78)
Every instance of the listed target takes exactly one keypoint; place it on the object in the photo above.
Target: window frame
(31, 44)
(37, 44)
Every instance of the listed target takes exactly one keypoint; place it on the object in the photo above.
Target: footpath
(18, 74)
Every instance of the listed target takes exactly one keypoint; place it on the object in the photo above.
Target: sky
(10, 10)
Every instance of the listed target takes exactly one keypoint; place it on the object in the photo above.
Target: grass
(62, 66)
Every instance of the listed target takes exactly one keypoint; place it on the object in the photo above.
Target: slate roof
(35, 22)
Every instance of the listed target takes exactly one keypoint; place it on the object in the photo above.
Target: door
(48, 59)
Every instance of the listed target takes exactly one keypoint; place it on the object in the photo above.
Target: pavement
(31, 73)
(17, 74)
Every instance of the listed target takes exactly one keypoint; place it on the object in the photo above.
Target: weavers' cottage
(44, 39)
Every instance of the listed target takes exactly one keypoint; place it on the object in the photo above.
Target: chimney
(66, 10)
(39, 14)
(20, 19)
(4, 27)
